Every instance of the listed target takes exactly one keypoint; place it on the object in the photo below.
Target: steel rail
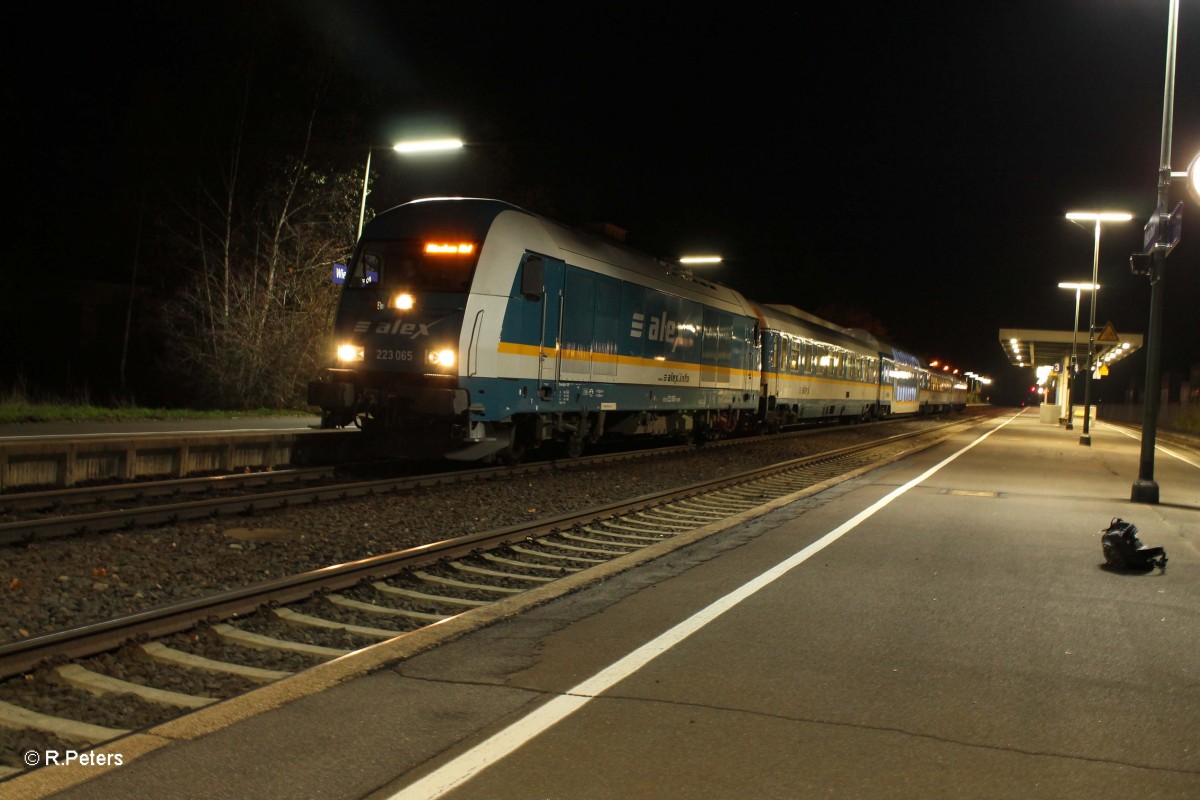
(117, 492)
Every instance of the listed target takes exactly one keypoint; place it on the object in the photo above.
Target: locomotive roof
(475, 216)
(790, 319)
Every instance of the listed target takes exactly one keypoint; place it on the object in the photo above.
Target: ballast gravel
(58, 584)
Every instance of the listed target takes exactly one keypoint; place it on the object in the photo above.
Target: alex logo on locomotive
(398, 328)
(663, 329)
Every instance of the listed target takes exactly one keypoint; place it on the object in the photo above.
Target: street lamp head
(413, 146)
(427, 145)
(1099, 216)
(1077, 286)
(1193, 178)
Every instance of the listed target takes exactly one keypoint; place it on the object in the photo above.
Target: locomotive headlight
(403, 301)
(350, 352)
(440, 358)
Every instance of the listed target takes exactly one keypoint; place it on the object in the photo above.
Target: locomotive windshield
(433, 265)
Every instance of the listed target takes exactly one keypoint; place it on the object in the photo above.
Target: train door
(577, 325)
(542, 281)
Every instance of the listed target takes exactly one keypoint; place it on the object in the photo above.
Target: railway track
(34, 516)
(68, 512)
(94, 683)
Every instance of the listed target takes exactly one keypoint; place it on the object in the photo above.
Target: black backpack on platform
(1124, 550)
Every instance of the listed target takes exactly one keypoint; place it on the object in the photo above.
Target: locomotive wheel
(512, 455)
(574, 447)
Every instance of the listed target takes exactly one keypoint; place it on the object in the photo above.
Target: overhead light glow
(1099, 216)
(427, 145)
(700, 260)
(1193, 178)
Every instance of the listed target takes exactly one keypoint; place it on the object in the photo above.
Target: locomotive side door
(542, 279)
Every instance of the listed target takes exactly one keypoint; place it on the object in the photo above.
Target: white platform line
(506, 741)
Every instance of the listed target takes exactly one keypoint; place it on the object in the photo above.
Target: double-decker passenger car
(814, 370)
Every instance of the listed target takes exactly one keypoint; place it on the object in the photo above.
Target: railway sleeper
(527, 564)
(608, 554)
(260, 642)
(479, 587)
(168, 655)
(719, 505)
(68, 730)
(654, 518)
(388, 611)
(494, 573)
(689, 514)
(98, 684)
(309, 621)
(516, 548)
(574, 537)
(411, 594)
(755, 494)
(629, 536)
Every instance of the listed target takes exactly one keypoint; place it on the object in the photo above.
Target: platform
(940, 627)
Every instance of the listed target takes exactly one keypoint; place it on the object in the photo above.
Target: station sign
(339, 275)
(1150, 231)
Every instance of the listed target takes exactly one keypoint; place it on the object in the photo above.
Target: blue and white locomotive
(471, 329)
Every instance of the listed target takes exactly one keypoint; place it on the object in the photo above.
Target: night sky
(909, 161)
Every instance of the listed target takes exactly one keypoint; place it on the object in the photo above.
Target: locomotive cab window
(434, 265)
(532, 277)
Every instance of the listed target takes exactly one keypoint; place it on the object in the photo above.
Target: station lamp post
(1098, 217)
(1078, 287)
(406, 148)
(1156, 246)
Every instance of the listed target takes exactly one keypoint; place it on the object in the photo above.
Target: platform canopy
(1027, 347)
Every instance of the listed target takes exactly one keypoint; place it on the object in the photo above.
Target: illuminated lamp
(350, 352)
(449, 248)
(1193, 178)
(440, 358)
(428, 145)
